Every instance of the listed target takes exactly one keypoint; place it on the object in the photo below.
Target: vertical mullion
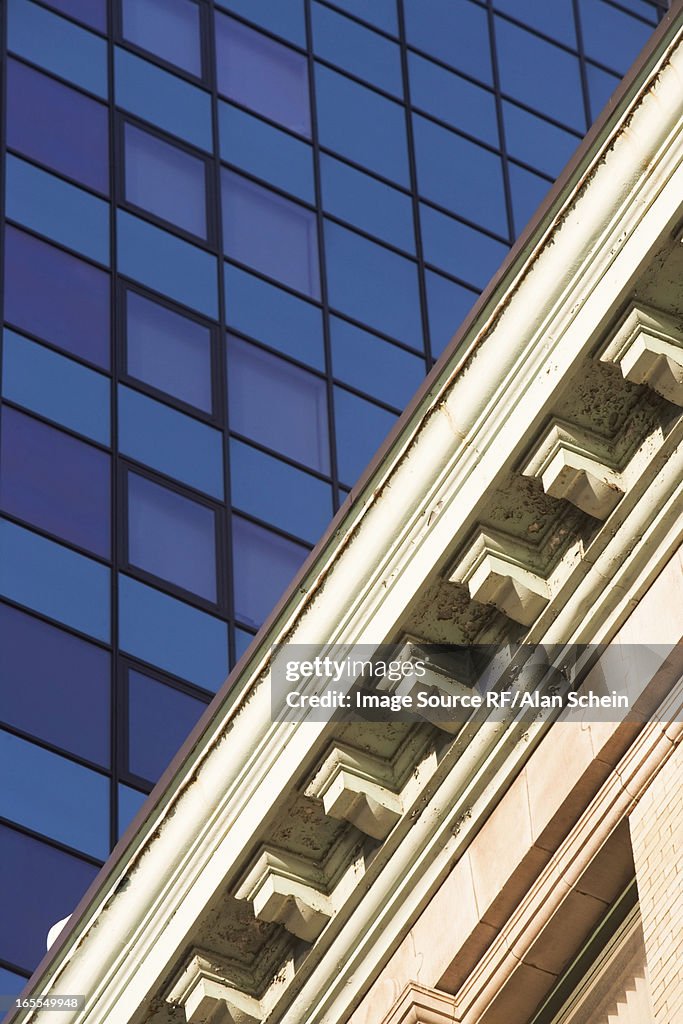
(501, 122)
(117, 739)
(588, 112)
(412, 163)
(3, 120)
(219, 363)
(331, 427)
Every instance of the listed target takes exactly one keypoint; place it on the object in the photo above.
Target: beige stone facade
(596, 806)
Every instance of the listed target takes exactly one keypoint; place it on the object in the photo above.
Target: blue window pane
(601, 85)
(60, 211)
(266, 152)
(540, 74)
(11, 984)
(167, 264)
(53, 481)
(169, 28)
(361, 125)
(528, 191)
(57, 126)
(90, 12)
(53, 580)
(373, 365)
(270, 234)
(535, 141)
(159, 720)
(361, 427)
(356, 49)
(58, 45)
(55, 796)
(242, 642)
(275, 317)
(57, 297)
(555, 19)
(459, 175)
(370, 204)
(262, 74)
(612, 36)
(170, 442)
(271, 490)
(381, 13)
(54, 685)
(163, 631)
(39, 885)
(163, 99)
(168, 351)
(130, 801)
(277, 405)
(171, 536)
(459, 249)
(263, 565)
(283, 17)
(372, 284)
(645, 8)
(55, 387)
(453, 99)
(165, 180)
(447, 305)
(454, 32)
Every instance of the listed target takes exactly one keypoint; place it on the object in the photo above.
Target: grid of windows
(236, 236)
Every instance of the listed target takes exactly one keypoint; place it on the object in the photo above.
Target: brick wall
(657, 836)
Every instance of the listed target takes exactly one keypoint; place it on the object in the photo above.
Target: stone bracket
(287, 890)
(208, 992)
(357, 787)
(574, 464)
(434, 680)
(495, 569)
(648, 347)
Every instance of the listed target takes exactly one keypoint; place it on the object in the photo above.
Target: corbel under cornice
(212, 990)
(577, 465)
(648, 348)
(497, 570)
(360, 788)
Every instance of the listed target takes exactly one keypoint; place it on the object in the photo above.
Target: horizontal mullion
(49, 841)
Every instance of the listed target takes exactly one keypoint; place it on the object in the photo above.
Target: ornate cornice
(533, 486)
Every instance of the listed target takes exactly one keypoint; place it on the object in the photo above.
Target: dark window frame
(205, 33)
(127, 664)
(123, 118)
(219, 607)
(213, 418)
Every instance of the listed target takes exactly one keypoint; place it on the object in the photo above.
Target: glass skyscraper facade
(236, 234)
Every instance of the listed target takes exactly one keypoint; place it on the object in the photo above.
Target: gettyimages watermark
(449, 685)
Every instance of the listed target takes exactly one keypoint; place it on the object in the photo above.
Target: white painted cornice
(485, 404)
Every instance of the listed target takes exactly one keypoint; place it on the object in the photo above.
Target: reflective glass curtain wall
(236, 234)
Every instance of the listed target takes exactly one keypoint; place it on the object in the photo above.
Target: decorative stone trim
(573, 464)
(420, 1005)
(496, 571)
(435, 681)
(206, 990)
(357, 787)
(286, 890)
(648, 347)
